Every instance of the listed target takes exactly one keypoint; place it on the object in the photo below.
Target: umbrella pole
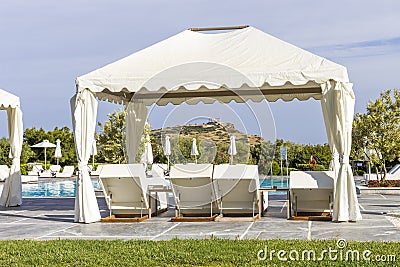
(168, 162)
(45, 165)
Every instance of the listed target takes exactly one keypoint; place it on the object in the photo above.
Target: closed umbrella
(93, 152)
(58, 154)
(232, 147)
(147, 156)
(194, 152)
(148, 150)
(44, 144)
(167, 149)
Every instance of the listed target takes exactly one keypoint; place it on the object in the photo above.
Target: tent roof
(8, 100)
(249, 57)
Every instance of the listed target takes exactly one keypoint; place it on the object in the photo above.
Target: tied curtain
(12, 190)
(338, 109)
(84, 112)
(136, 115)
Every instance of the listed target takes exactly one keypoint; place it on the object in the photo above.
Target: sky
(45, 45)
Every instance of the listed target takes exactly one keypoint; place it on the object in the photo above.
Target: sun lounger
(193, 190)
(4, 172)
(311, 192)
(67, 172)
(236, 188)
(96, 172)
(55, 168)
(158, 170)
(126, 188)
(37, 169)
(51, 172)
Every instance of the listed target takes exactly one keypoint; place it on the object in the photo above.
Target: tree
(379, 130)
(111, 139)
(299, 154)
(33, 136)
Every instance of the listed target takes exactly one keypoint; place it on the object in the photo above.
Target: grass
(206, 252)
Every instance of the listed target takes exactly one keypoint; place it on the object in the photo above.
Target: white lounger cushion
(67, 172)
(236, 187)
(123, 188)
(193, 187)
(36, 169)
(126, 188)
(238, 172)
(191, 171)
(55, 168)
(157, 170)
(312, 191)
(97, 171)
(4, 172)
(311, 179)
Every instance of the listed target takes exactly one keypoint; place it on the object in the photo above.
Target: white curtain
(136, 115)
(12, 190)
(84, 112)
(338, 107)
(334, 165)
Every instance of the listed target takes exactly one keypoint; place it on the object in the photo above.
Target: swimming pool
(268, 182)
(52, 188)
(67, 188)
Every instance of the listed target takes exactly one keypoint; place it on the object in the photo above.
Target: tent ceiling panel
(241, 57)
(8, 100)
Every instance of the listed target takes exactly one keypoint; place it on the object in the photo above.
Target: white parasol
(44, 144)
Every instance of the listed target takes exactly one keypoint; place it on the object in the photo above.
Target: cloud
(369, 48)
(46, 44)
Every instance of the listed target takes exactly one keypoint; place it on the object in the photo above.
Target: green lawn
(214, 252)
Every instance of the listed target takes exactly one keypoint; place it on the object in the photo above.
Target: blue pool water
(52, 189)
(274, 182)
(68, 188)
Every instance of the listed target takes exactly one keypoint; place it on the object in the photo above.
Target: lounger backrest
(68, 171)
(123, 183)
(157, 170)
(191, 175)
(236, 182)
(311, 179)
(192, 182)
(37, 168)
(191, 171)
(55, 168)
(4, 172)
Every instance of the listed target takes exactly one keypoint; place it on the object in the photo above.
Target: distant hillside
(218, 132)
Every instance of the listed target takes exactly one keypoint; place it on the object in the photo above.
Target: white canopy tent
(12, 190)
(262, 64)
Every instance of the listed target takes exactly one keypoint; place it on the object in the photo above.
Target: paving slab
(52, 218)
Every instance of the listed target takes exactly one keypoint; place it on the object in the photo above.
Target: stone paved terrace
(52, 218)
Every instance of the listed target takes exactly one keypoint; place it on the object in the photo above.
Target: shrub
(24, 170)
(305, 167)
(386, 183)
(359, 172)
